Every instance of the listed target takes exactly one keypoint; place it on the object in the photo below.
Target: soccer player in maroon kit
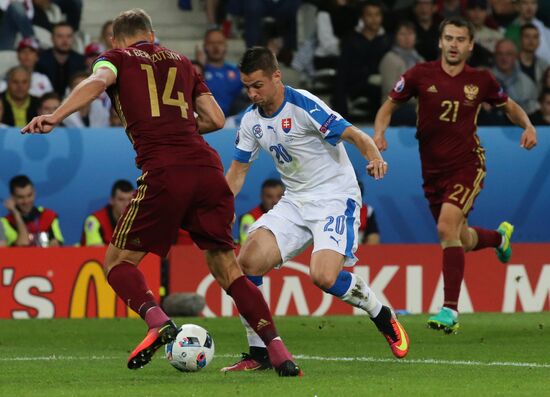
(450, 94)
(156, 92)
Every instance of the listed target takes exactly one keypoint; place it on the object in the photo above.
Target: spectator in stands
(27, 55)
(529, 62)
(73, 10)
(91, 52)
(369, 233)
(15, 17)
(48, 103)
(28, 225)
(94, 115)
(527, 11)
(254, 12)
(426, 21)
(361, 56)
(99, 226)
(542, 116)
(271, 193)
(476, 12)
(46, 14)
(222, 78)
(399, 59)
(19, 106)
(106, 36)
(508, 73)
(61, 62)
(335, 23)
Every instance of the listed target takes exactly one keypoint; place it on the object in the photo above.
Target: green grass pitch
(493, 354)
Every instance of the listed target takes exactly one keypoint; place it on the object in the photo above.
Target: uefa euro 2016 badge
(287, 125)
(257, 130)
(400, 85)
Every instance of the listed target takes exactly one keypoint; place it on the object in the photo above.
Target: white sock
(361, 296)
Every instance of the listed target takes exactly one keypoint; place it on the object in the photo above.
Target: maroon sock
(487, 238)
(130, 285)
(453, 273)
(252, 306)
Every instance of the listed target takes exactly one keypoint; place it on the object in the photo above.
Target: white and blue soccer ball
(192, 350)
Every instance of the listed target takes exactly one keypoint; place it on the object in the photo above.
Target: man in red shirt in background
(156, 92)
(99, 226)
(450, 95)
(27, 225)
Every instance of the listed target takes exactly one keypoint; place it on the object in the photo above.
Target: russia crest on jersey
(287, 125)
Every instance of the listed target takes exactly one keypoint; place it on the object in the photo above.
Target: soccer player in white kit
(322, 200)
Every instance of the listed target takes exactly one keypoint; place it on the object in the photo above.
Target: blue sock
(341, 285)
(258, 281)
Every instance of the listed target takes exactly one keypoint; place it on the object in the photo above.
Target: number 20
(338, 227)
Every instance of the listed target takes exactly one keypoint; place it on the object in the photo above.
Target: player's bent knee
(323, 280)
(115, 256)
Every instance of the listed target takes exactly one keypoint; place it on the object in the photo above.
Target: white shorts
(330, 224)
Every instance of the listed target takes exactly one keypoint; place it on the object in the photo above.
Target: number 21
(167, 93)
(448, 105)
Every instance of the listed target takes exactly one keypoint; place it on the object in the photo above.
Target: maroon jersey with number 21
(447, 112)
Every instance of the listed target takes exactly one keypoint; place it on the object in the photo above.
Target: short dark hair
(258, 58)
(405, 24)
(132, 22)
(19, 181)
(47, 96)
(528, 25)
(61, 25)
(17, 68)
(370, 3)
(272, 182)
(123, 185)
(459, 22)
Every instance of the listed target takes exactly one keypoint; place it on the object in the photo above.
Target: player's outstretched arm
(382, 122)
(518, 116)
(377, 167)
(82, 95)
(211, 117)
(236, 175)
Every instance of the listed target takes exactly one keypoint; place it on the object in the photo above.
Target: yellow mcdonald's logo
(106, 299)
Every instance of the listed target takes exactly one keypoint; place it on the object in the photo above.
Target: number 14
(167, 93)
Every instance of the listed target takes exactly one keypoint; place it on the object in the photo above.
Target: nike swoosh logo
(403, 336)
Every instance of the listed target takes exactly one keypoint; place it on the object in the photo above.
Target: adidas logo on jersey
(432, 89)
(262, 323)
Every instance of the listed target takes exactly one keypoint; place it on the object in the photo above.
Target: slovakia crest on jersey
(287, 125)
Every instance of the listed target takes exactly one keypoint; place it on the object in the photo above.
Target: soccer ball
(192, 350)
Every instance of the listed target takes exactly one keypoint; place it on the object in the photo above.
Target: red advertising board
(62, 282)
(407, 277)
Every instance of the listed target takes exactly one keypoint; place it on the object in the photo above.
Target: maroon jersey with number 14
(154, 95)
(182, 184)
(447, 112)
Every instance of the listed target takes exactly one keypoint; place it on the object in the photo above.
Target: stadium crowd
(356, 52)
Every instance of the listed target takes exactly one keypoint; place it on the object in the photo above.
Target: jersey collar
(260, 110)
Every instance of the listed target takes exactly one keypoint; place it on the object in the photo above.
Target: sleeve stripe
(242, 156)
(105, 64)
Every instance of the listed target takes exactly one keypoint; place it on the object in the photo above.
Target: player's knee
(322, 280)
(446, 231)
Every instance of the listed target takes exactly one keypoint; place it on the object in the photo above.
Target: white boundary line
(426, 361)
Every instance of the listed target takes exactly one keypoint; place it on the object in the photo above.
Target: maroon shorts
(459, 187)
(196, 199)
